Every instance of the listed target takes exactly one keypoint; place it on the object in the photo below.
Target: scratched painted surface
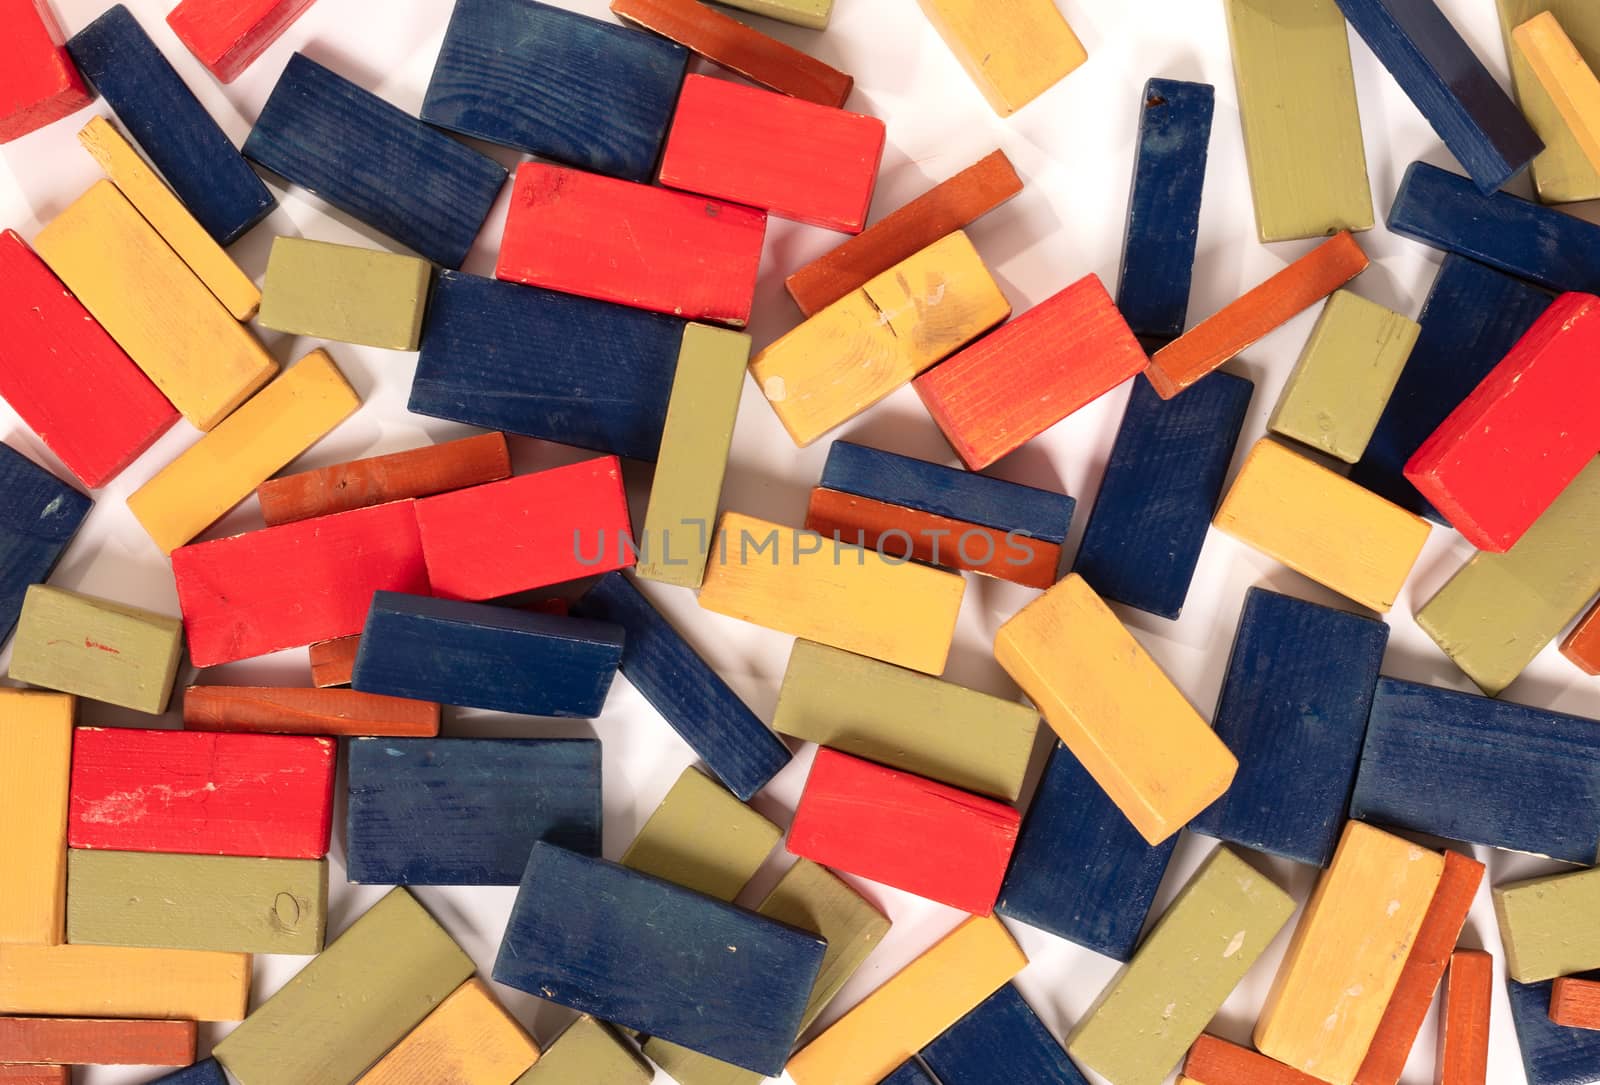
(96, 648)
(39, 515)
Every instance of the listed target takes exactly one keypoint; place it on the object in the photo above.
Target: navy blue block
(480, 656)
(516, 358)
(1080, 870)
(736, 746)
(442, 811)
(557, 84)
(208, 1072)
(1449, 85)
(39, 515)
(170, 125)
(1482, 771)
(375, 162)
(1160, 490)
(1473, 317)
(1002, 1042)
(947, 491)
(635, 950)
(1539, 244)
(1551, 1053)
(1294, 710)
(909, 1072)
(1169, 173)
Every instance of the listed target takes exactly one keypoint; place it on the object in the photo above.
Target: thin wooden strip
(77, 1041)
(1464, 1020)
(1575, 1003)
(334, 661)
(307, 711)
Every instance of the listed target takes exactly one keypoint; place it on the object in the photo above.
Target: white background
(1074, 148)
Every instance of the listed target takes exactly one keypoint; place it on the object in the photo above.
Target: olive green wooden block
(1302, 131)
(588, 1053)
(121, 898)
(813, 14)
(98, 649)
(906, 720)
(1562, 173)
(1342, 383)
(679, 521)
(1187, 967)
(1500, 610)
(703, 838)
(345, 293)
(350, 1005)
(1549, 926)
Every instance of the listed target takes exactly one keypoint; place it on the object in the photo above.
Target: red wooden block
(1575, 1003)
(905, 831)
(228, 35)
(1213, 1061)
(38, 81)
(1524, 433)
(67, 378)
(527, 532)
(1582, 645)
(34, 1075)
(201, 793)
(76, 1041)
(295, 584)
(1012, 385)
(794, 158)
(1464, 1020)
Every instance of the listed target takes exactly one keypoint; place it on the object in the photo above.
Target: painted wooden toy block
(865, 346)
(1546, 925)
(1013, 50)
(735, 745)
(171, 325)
(1567, 79)
(845, 597)
(515, 358)
(36, 1074)
(792, 158)
(1159, 491)
(1552, 1054)
(375, 162)
(1575, 1003)
(1464, 1020)
(1009, 387)
(277, 710)
(346, 293)
(1302, 131)
(66, 377)
(39, 516)
(353, 1003)
(910, 1072)
(913, 1007)
(40, 85)
(1562, 172)
(1212, 1061)
(417, 472)
(1215, 929)
(1109, 701)
(470, 1037)
(76, 1041)
(702, 838)
(587, 1051)
(123, 981)
(1582, 645)
(35, 775)
(479, 656)
(96, 648)
(164, 117)
(227, 903)
(1001, 1041)
(556, 84)
(1236, 326)
(205, 1072)
(811, 14)
(228, 37)
(334, 661)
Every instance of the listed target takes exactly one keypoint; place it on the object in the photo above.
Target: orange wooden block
(307, 712)
(34, 1075)
(1464, 1020)
(1575, 1003)
(333, 661)
(1288, 293)
(1582, 645)
(85, 1041)
(1213, 1061)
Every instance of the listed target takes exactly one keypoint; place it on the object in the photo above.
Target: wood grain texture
(811, 14)
(26, 1074)
(1214, 1061)
(1464, 1020)
(1551, 1054)
(228, 37)
(39, 516)
(1014, 50)
(469, 1040)
(346, 293)
(1002, 1040)
(1545, 928)
(119, 981)
(333, 661)
(97, 648)
(40, 85)
(1566, 77)
(586, 1051)
(1582, 645)
(35, 776)
(1575, 1003)
(76, 1041)
(1561, 172)
(277, 710)
(702, 838)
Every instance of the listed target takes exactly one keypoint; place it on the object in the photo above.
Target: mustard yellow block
(35, 771)
(1322, 525)
(1564, 75)
(1014, 50)
(115, 981)
(174, 329)
(907, 1013)
(225, 466)
(1112, 705)
(469, 1040)
(1347, 954)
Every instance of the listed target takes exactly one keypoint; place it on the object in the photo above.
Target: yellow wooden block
(161, 209)
(800, 583)
(1347, 954)
(907, 1013)
(469, 1040)
(1322, 525)
(115, 981)
(875, 339)
(174, 329)
(1015, 50)
(35, 771)
(225, 466)
(1569, 81)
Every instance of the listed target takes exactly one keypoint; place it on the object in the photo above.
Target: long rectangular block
(377, 480)
(76, 1041)
(1545, 926)
(35, 1074)
(1464, 1019)
(1216, 1062)
(39, 516)
(1002, 1040)
(1567, 79)
(1552, 1054)
(35, 775)
(1562, 172)
(121, 981)
(470, 1037)
(1575, 1003)
(1013, 51)
(229, 37)
(702, 838)
(589, 1050)
(346, 293)
(97, 648)
(1582, 645)
(41, 83)
(279, 710)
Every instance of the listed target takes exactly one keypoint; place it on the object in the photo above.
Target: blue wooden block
(1080, 870)
(557, 84)
(1449, 85)
(635, 950)
(375, 162)
(1160, 490)
(1294, 710)
(1539, 244)
(480, 656)
(39, 515)
(206, 1072)
(947, 491)
(1551, 1053)
(1002, 1042)
(516, 358)
(735, 745)
(910, 1072)
(1471, 320)
(1169, 172)
(442, 811)
(171, 126)
(1482, 771)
